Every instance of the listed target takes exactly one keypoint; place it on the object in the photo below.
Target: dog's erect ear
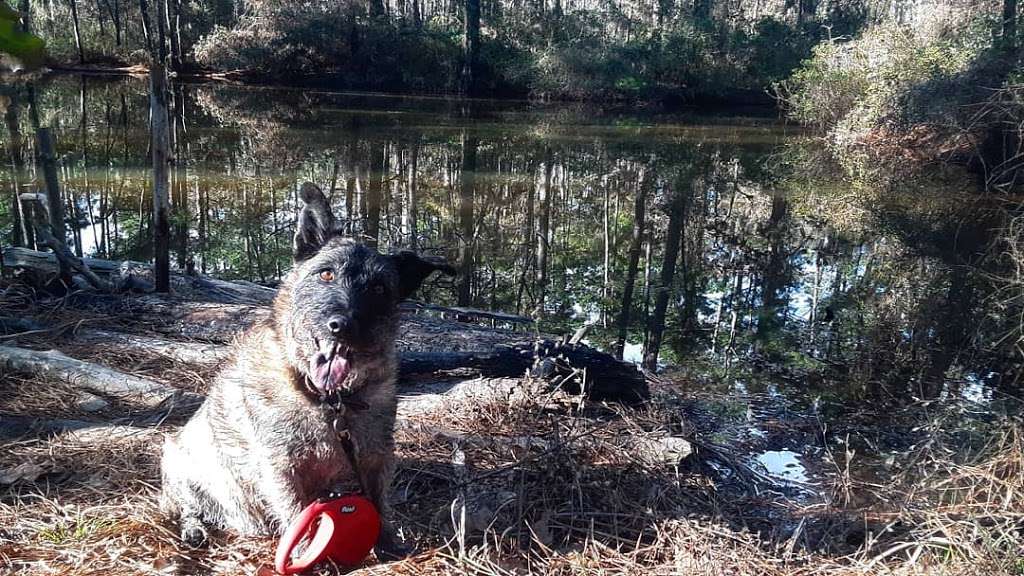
(316, 224)
(414, 269)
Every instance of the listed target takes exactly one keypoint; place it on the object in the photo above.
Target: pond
(747, 271)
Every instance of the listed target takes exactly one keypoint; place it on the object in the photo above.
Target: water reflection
(680, 239)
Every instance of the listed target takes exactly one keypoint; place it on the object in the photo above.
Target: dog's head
(338, 311)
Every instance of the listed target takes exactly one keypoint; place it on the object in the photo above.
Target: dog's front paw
(193, 534)
(390, 547)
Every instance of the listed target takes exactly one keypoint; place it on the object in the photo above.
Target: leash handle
(317, 517)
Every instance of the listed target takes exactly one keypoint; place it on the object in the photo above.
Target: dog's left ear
(414, 269)
(316, 224)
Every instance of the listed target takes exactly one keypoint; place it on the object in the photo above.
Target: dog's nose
(340, 326)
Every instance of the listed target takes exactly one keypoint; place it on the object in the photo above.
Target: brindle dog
(271, 435)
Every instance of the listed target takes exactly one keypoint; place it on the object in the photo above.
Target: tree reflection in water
(682, 239)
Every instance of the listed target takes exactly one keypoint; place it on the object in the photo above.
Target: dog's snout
(337, 325)
(341, 326)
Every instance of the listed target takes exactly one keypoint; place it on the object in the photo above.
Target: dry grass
(537, 483)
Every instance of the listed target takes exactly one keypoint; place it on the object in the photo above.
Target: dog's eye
(327, 275)
(379, 289)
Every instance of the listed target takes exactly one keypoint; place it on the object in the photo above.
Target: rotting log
(14, 427)
(94, 377)
(16, 257)
(201, 353)
(461, 311)
(124, 276)
(576, 368)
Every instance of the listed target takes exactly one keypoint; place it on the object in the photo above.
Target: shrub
(849, 87)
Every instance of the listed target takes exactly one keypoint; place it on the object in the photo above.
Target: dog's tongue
(331, 374)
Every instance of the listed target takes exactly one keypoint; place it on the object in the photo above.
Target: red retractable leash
(343, 530)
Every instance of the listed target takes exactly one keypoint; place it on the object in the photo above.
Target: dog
(307, 403)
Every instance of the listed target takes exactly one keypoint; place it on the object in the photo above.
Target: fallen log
(576, 368)
(201, 353)
(460, 311)
(17, 257)
(95, 378)
(71, 262)
(126, 275)
(15, 427)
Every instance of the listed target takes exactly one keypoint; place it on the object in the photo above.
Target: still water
(755, 272)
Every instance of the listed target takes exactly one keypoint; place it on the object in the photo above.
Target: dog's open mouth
(330, 366)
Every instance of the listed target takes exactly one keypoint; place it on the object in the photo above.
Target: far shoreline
(757, 103)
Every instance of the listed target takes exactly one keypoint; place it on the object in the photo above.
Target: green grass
(76, 530)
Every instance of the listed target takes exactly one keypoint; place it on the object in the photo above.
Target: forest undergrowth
(540, 482)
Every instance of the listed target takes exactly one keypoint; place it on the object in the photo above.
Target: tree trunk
(527, 246)
(161, 30)
(175, 34)
(54, 204)
(543, 230)
(161, 172)
(146, 26)
(77, 32)
(635, 246)
(22, 225)
(26, 21)
(115, 15)
(409, 215)
(202, 205)
(470, 46)
(377, 10)
(606, 267)
(656, 324)
(373, 196)
(1009, 36)
(179, 199)
(467, 191)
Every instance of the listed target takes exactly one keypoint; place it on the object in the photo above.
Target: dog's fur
(265, 443)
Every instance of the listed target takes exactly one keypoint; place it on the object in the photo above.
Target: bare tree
(373, 196)
(1009, 36)
(22, 223)
(543, 232)
(146, 26)
(632, 266)
(467, 192)
(75, 28)
(161, 174)
(673, 238)
(470, 46)
(409, 212)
